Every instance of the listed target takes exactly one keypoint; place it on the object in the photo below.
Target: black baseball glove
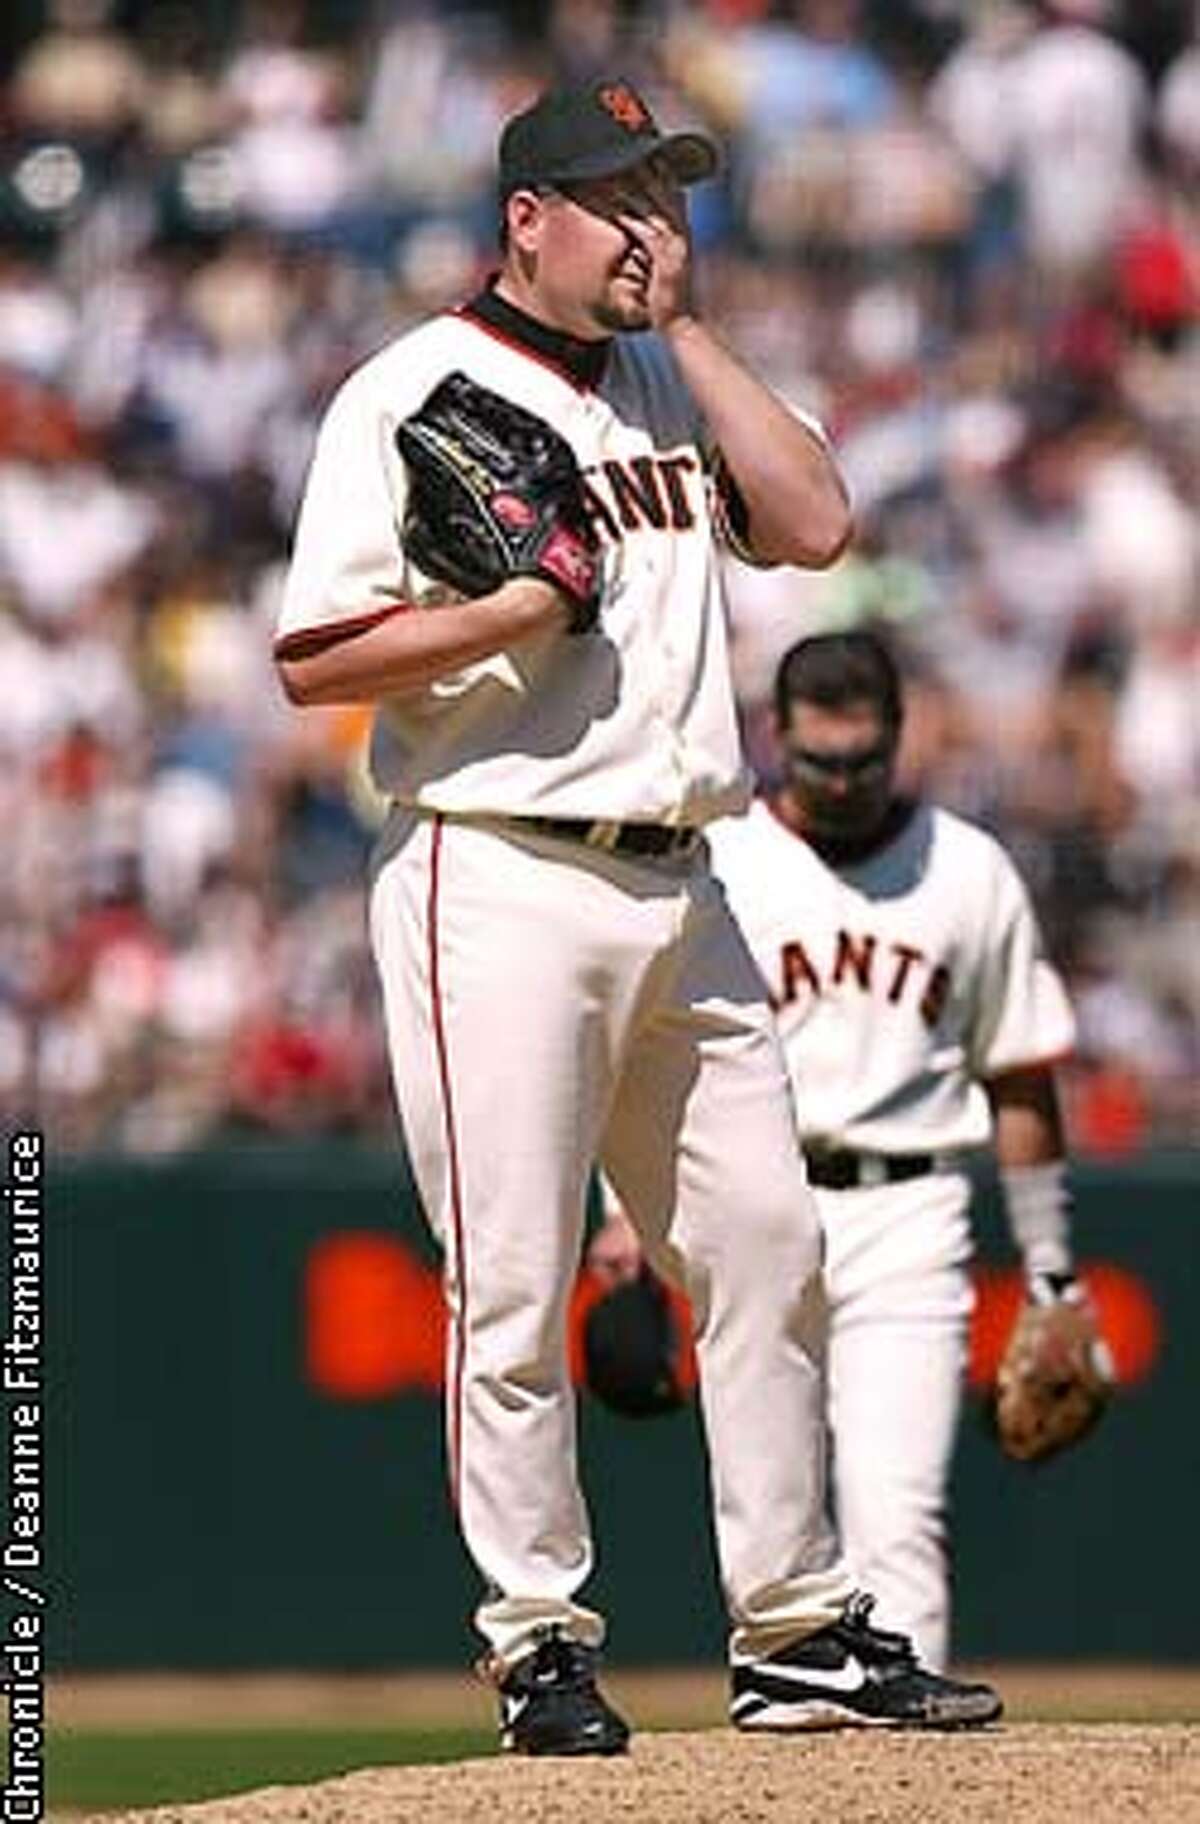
(495, 492)
(631, 1349)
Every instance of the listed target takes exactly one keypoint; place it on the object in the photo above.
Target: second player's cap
(596, 130)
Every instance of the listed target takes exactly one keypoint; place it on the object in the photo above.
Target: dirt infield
(1015, 1774)
(1083, 1745)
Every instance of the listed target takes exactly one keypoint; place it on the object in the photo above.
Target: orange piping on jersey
(454, 1401)
(306, 642)
(466, 315)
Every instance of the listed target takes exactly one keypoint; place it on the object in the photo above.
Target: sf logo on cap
(624, 106)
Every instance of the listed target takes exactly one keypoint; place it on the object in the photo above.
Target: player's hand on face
(652, 213)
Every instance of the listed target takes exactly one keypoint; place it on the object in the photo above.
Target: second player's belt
(840, 1169)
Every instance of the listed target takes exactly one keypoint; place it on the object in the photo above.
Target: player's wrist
(1038, 1204)
(1054, 1288)
(683, 326)
(534, 600)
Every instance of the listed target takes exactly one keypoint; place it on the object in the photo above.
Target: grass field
(119, 1743)
(93, 1770)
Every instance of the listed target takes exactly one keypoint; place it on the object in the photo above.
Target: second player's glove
(495, 492)
(1055, 1376)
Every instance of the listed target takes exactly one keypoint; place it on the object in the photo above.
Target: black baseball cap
(594, 131)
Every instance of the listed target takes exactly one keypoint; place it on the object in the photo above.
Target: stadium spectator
(200, 234)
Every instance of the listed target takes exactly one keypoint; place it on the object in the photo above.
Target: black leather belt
(839, 1169)
(616, 838)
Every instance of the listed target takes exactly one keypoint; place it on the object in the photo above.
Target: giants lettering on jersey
(894, 973)
(642, 492)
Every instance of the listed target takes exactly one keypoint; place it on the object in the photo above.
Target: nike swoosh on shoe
(850, 1677)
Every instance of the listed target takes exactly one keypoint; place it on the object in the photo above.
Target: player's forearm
(798, 506)
(410, 650)
(1030, 1153)
(1027, 1120)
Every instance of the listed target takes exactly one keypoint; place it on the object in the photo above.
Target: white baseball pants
(548, 1005)
(900, 1302)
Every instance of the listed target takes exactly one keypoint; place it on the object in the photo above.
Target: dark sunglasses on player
(859, 763)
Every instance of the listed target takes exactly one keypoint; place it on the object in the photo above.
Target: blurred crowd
(965, 232)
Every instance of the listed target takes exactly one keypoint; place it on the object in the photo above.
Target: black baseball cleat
(853, 1675)
(549, 1703)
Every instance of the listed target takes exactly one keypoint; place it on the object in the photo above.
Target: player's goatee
(629, 320)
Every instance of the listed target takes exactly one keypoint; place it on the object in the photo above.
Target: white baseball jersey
(898, 981)
(553, 726)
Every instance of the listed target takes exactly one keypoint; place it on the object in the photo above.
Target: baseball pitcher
(509, 545)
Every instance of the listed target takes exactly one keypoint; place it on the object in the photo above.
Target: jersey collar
(581, 362)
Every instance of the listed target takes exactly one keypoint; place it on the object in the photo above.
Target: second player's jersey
(899, 981)
(633, 721)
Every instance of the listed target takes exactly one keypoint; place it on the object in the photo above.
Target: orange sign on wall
(375, 1320)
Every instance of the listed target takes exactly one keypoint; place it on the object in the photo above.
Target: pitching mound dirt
(1017, 1774)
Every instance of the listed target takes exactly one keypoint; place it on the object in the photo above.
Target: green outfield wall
(244, 1463)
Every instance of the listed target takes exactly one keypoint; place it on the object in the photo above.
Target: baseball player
(918, 1015)
(561, 976)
